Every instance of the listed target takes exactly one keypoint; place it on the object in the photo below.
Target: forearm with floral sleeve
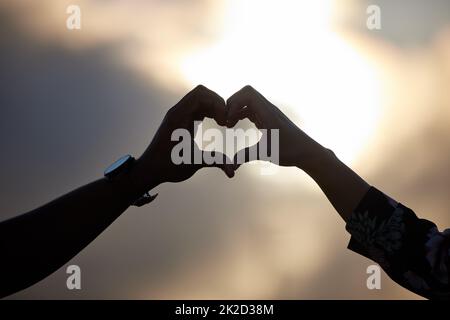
(410, 250)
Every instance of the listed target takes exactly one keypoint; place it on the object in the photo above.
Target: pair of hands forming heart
(49, 236)
(155, 165)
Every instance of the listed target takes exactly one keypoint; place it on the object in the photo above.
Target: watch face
(117, 164)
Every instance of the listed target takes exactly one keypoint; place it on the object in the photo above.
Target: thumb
(245, 155)
(219, 160)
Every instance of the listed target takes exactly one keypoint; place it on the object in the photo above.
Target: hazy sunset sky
(74, 101)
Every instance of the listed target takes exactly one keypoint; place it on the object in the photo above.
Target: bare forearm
(343, 187)
(36, 244)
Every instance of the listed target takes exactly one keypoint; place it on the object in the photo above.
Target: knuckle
(200, 89)
(199, 94)
(248, 88)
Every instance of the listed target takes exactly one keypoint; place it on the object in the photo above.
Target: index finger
(246, 103)
(203, 102)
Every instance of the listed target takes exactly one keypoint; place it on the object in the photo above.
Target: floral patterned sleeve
(411, 250)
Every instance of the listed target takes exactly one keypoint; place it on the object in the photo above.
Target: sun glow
(289, 52)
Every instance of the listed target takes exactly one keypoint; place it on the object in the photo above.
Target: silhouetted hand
(156, 163)
(294, 144)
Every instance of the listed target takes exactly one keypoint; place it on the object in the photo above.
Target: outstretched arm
(37, 243)
(342, 186)
(411, 250)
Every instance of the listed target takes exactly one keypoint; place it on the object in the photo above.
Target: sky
(73, 101)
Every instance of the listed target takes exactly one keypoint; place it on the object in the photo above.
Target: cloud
(72, 104)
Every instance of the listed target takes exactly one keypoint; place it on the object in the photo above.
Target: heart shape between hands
(218, 141)
(210, 136)
(174, 155)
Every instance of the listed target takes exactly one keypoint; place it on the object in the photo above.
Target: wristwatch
(123, 166)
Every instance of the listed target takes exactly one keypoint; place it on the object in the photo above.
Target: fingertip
(229, 171)
(230, 123)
